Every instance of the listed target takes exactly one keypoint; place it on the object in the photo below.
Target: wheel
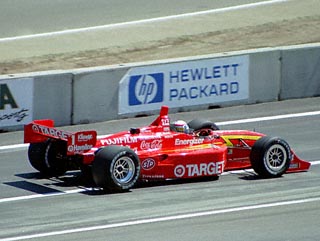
(202, 127)
(270, 156)
(47, 157)
(115, 168)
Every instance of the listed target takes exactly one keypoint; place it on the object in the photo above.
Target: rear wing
(77, 142)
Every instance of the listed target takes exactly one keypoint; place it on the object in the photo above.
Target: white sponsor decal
(166, 129)
(50, 131)
(190, 142)
(148, 164)
(82, 137)
(149, 145)
(202, 81)
(119, 140)
(197, 170)
(159, 176)
(165, 122)
(78, 148)
(16, 101)
(179, 171)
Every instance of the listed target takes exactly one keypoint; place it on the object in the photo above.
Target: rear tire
(270, 157)
(202, 127)
(116, 168)
(47, 157)
(198, 124)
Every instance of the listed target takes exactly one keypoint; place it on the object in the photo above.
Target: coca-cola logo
(147, 145)
(148, 164)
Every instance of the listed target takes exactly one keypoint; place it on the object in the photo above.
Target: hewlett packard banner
(16, 97)
(208, 81)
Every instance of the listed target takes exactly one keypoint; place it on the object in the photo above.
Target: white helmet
(181, 126)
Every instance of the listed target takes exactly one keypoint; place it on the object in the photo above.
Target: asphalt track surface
(49, 35)
(34, 16)
(239, 206)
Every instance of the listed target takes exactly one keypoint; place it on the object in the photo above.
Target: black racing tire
(86, 171)
(202, 127)
(46, 157)
(270, 157)
(198, 124)
(115, 168)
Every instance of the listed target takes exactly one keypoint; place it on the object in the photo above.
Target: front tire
(270, 157)
(116, 168)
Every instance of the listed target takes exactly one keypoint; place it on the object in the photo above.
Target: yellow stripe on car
(228, 138)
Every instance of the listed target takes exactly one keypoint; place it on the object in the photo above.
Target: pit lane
(239, 206)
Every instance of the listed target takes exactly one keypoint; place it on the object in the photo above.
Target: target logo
(200, 169)
(179, 171)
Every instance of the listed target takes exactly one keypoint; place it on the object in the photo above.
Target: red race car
(160, 151)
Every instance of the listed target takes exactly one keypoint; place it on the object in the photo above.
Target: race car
(160, 151)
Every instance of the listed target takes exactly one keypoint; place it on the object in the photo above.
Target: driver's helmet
(181, 126)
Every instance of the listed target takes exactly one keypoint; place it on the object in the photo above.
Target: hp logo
(146, 89)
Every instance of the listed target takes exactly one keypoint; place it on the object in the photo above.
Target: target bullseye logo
(179, 171)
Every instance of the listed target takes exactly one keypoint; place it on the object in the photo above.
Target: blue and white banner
(16, 99)
(208, 81)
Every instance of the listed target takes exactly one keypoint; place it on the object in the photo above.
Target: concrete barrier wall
(300, 74)
(91, 95)
(264, 76)
(53, 97)
(102, 86)
(49, 95)
(95, 94)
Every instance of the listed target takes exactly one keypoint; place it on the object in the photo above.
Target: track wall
(97, 94)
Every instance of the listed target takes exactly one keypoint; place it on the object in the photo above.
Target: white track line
(28, 197)
(151, 20)
(165, 219)
(267, 118)
(15, 146)
(80, 190)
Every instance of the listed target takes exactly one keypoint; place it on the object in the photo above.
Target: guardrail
(200, 82)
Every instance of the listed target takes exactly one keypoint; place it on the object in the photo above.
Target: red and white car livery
(157, 152)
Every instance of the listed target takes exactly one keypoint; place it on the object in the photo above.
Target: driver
(181, 126)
